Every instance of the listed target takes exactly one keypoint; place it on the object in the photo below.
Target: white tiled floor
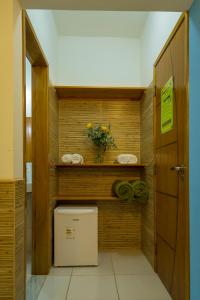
(34, 286)
(141, 287)
(105, 267)
(92, 288)
(131, 263)
(123, 275)
(54, 288)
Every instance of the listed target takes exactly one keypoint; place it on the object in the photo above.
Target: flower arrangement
(102, 138)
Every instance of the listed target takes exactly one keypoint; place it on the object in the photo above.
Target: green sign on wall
(167, 104)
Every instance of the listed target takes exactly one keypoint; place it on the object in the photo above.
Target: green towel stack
(131, 191)
(140, 191)
(123, 190)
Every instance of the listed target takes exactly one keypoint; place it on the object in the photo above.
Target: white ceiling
(137, 5)
(100, 23)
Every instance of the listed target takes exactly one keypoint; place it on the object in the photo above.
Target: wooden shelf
(61, 165)
(85, 198)
(92, 92)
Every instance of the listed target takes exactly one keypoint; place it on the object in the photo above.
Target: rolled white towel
(127, 159)
(67, 158)
(132, 159)
(77, 159)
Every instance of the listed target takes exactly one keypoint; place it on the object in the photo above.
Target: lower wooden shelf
(85, 198)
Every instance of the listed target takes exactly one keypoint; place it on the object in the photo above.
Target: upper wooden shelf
(84, 198)
(61, 165)
(87, 92)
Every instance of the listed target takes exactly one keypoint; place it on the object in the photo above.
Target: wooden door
(172, 167)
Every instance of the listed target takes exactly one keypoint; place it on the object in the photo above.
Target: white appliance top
(70, 210)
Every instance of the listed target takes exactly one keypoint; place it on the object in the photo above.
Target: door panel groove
(167, 194)
(164, 240)
(162, 146)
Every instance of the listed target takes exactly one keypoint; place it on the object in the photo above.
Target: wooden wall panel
(45, 155)
(147, 219)
(41, 232)
(53, 157)
(12, 266)
(100, 92)
(53, 125)
(123, 115)
(34, 51)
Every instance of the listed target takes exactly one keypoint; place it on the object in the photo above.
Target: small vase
(100, 155)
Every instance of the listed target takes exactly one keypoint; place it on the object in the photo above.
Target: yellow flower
(89, 125)
(104, 128)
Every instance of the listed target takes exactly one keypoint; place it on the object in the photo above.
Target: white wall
(90, 60)
(98, 61)
(157, 29)
(44, 26)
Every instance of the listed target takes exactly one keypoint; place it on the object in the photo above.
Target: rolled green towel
(123, 190)
(140, 191)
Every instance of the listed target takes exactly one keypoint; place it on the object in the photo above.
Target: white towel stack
(127, 159)
(75, 159)
(67, 158)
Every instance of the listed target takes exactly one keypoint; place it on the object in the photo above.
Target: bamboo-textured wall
(147, 158)
(123, 115)
(92, 182)
(12, 263)
(119, 223)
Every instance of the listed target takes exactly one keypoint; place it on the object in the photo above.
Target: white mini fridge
(76, 236)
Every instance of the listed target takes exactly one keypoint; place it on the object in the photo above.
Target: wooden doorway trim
(183, 19)
(41, 260)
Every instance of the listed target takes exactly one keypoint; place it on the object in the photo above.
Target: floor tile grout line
(115, 277)
(70, 279)
(113, 269)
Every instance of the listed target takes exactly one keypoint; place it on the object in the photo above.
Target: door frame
(40, 189)
(183, 17)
